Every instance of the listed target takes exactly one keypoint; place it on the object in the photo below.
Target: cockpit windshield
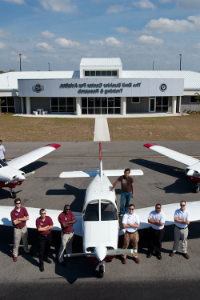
(2, 164)
(92, 211)
(108, 211)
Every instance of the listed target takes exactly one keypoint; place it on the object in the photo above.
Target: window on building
(104, 105)
(62, 105)
(135, 100)
(9, 105)
(192, 99)
(100, 73)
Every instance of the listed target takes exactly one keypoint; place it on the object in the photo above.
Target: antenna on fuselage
(100, 161)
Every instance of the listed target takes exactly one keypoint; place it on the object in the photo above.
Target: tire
(196, 189)
(14, 195)
(101, 272)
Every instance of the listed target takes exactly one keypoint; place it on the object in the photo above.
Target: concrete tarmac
(169, 278)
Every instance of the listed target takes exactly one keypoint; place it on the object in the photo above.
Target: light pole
(180, 61)
(20, 62)
(153, 65)
(49, 66)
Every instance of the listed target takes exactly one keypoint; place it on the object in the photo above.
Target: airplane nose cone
(100, 253)
(21, 177)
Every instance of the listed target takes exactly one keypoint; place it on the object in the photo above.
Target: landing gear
(13, 194)
(101, 269)
(196, 189)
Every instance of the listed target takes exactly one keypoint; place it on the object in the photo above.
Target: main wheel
(14, 195)
(196, 189)
(101, 271)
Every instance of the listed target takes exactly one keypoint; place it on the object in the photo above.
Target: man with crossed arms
(181, 220)
(131, 223)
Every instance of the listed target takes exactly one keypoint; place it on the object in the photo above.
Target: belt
(131, 232)
(20, 227)
(68, 232)
(181, 228)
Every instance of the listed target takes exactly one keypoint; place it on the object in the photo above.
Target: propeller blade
(120, 251)
(28, 174)
(78, 254)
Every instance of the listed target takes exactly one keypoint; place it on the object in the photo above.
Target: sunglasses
(182, 205)
(67, 208)
(131, 208)
(158, 207)
(18, 203)
(43, 213)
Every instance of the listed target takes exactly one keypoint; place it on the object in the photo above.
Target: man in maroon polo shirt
(66, 219)
(44, 225)
(19, 216)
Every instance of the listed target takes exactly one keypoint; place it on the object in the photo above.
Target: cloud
(150, 40)
(15, 57)
(48, 35)
(166, 25)
(65, 6)
(145, 4)
(96, 42)
(2, 45)
(16, 1)
(64, 43)
(3, 33)
(115, 9)
(165, 1)
(111, 41)
(44, 47)
(121, 29)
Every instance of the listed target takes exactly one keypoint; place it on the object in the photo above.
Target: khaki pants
(180, 234)
(66, 243)
(18, 235)
(131, 238)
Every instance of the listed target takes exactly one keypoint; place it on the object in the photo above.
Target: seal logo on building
(163, 87)
(38, 88)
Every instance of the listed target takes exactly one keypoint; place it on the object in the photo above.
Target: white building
(101, 86)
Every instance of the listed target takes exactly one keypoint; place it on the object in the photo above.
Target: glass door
(152, 104)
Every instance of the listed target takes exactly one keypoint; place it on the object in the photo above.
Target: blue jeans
(125, 201)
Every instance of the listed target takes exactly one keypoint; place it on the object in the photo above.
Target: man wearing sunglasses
(181, 220)
(19, 216)
(156, 231)
(44, 225)
(131, 223)
(66, 219)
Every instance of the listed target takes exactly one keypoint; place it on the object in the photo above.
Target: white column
(174, 104)
(179, 109)
(28, 105)
(78, 106)
(123, 105)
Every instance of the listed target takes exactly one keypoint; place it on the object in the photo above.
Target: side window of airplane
(92, 211)
(108, 211)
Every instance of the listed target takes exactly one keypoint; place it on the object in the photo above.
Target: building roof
(8, 81)
(191, 79)
(100, 62)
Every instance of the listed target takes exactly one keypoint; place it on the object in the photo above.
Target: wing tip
(149, 145)
(54, 145)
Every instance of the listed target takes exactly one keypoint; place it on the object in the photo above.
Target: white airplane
(100, 224)
(10, 173)
(193, 164)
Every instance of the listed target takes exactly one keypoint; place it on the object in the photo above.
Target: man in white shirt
(131, 223)
(2, 152)
(156, 232)
(181, 220)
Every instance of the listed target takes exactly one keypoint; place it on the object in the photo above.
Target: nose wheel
(13, 194)
(101, 269)
(196, 189)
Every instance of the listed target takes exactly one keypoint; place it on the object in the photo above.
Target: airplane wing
(76, 174)
(168, 209)
(5, 218)
(182, 158)
(32, 156)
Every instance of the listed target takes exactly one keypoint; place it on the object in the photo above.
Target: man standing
(19, 216)
(2, 152)
(181, 220)
(44, 225)
(66, 219)
(127, 186)
(156, 232)
(131, 223)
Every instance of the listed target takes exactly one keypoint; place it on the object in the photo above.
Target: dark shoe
(136, 260)
(63, 264)
(123, 261)
(14, 259)
(30, 253)
(186, 255)
(148, 255)
(48, 260)
(172, 254)
(159, 257)
(41, 267)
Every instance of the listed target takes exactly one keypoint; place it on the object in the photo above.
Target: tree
(1, 102)
(197, 98)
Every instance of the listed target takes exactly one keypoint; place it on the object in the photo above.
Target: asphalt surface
(169, 278)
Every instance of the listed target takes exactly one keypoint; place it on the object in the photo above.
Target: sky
(61, 32)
